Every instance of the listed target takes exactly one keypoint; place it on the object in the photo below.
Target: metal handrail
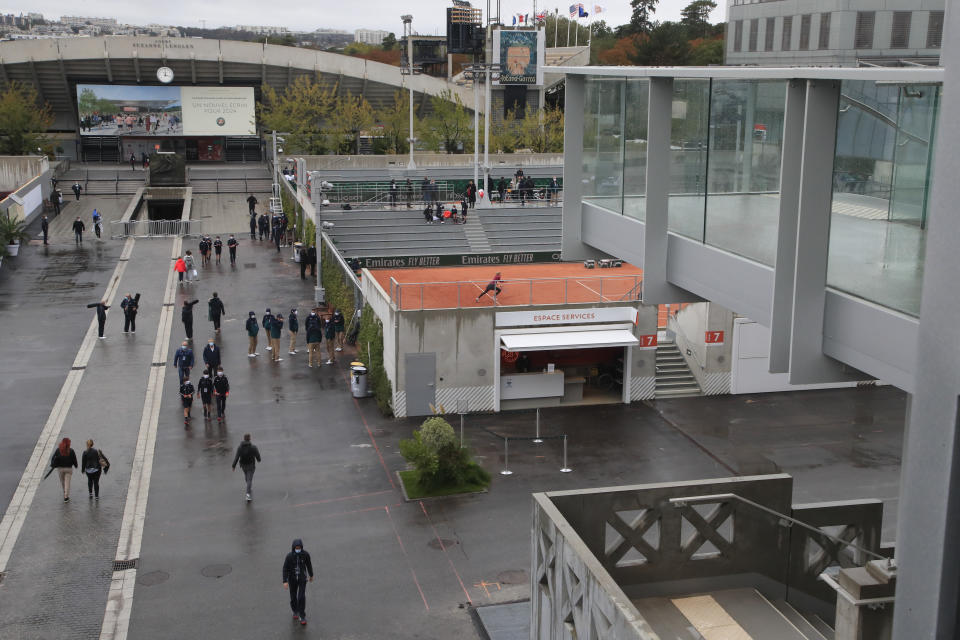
(683, 501)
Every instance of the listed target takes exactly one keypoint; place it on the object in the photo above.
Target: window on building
(900, 33)
(754, 28)
(935, 30)
(863, 36)
(787, 33)
(768, 34)
(738, 35)
(805, 32)
(824, 41)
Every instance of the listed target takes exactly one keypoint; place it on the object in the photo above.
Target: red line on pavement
(373, 440)
(444, 548)
(359, 495)
(402, 548)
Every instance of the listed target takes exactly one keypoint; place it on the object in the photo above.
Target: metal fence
(513, 292)
(155, 228)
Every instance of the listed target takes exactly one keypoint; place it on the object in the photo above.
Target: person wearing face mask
(221, 389)
(293, 326)
(252, 330)
(297, 572)
(205, 388)
(276, 330)
(211, 355)
(248, 456)
(314, 330)
(215, 309)
(265, 322)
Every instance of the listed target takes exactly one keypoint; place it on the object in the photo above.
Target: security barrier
(155, 228)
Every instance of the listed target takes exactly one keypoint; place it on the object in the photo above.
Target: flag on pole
(583, 13)
(514, 20)
(597, 9)
(541, 16)
(575, 10)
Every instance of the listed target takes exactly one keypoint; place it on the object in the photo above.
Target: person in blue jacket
(276, 330)
(183, 360)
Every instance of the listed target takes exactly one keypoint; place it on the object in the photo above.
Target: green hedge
(440, 462)
(338, 289)
(370, 348)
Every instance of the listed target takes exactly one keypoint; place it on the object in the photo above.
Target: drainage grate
(123, 565)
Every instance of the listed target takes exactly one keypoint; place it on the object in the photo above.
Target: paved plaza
(208, 565)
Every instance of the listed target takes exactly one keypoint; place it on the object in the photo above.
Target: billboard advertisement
(520, 55)
(129, 110)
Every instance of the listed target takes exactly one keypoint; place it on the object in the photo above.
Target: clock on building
(165, 75)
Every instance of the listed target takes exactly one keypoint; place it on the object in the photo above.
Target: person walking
(408, 192)
(186, 397)
(186, 316)
(297, 572)
(330, 333)
(218, 248)
(293, 326)
(312, 259)
(211, 355)
(304, 261)
(76, 189)
(221, 389)
(183, 361)
(101, 307)
(45, 227)
(78, 229)
(93, 463)
(248, 456)
(252, 204)
(180, 266)
(264, 225)
(97, 223)
(190, 266)
(265, 323)
(205, 389)
(215, 309)
(314, 329)
(130, 306)
(133, 158)
(276, 330)
(393, 192)
(252, 330)
(253, 224)
(493, 285)
(64, 459)
(204, 248)
(232, 248)
(471, 194)
(339, 326)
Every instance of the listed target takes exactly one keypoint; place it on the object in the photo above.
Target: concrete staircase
(476, 236)
(674, 379)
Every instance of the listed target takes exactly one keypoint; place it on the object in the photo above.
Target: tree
(24, 121)
(393, 119)
(505, 137)
(665, 46)
(695, 16)
(640, 19)
(390, 41)
(350, 115)
(542, 131)
(706, 52)
(601, 29)
(300, 111)
(621, 53)
(449, 127)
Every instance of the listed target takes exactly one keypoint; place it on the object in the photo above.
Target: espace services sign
(546, 317)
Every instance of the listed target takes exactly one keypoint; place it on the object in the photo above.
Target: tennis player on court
(493, 285)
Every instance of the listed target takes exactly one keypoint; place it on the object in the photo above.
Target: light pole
(410, 70)
(488, 71)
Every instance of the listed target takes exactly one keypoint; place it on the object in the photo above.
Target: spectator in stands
(408, 191)
(471, 194)
(428, 214)
(553, 190)
(393, 192)
(424, 190)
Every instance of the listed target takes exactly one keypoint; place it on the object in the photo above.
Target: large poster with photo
(147, 111)
(520, 56)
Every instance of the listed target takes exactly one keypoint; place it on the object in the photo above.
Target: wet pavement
(209, 564)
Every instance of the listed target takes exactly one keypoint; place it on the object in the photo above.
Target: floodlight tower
(409, 69)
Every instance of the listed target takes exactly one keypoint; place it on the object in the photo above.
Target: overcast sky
(428, 15)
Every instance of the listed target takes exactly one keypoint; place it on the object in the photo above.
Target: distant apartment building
(81, 20)
(262, 29)
(834, 32)
(370, 36)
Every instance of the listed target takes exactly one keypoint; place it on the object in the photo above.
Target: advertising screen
(127, 110)
(520, 56)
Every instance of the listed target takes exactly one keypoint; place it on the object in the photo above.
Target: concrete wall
(25, 175)
(709, 363)
(15, 171)
(643, 365)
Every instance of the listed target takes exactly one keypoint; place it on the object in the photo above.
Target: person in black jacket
(248, 456)
(314, 329)
(45, 227)
(265, 322)
(130, 306)
(253, 224)
(264, 226)
(252, 330)
(312, 260)
(101, 315)
(186, 316)
(293, 326)
(78, 229)
(218, 248)
(93, 462)
(252, 203)
(221, 389)
(297, 572)
(63, 460)
(232, 247)
(205, 389)
(211, 355)
(215, 308)
(186, 396)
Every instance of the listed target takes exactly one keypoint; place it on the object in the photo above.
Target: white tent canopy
(568, 340)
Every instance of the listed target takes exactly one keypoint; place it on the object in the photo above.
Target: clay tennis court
(540, 284)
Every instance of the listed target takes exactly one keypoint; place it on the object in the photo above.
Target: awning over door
(568, 340)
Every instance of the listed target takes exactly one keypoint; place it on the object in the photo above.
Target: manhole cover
(435, 543)
(216, 570)
(152, 578)
(513, 576)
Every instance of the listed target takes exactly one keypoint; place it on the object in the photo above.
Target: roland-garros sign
(546, 317)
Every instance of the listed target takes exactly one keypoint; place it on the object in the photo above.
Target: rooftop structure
(370, 36)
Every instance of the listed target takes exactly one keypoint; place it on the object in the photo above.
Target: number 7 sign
(648, 341)
(713, 337)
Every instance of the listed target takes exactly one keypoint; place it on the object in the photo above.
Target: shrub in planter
(13, 233)
(436, 455)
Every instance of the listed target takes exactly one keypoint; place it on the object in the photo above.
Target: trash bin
(297, 251)
(358, 380)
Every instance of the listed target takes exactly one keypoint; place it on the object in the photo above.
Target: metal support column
(571, 246)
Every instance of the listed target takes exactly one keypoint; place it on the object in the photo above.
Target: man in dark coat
(252, 330)
(297, 572)
(232, 248)
(253, 225)
(130, 306)
(78, 229)
(252, 203)
(45, 227)
(215, 309)
(211, 355)
(265, 322)
(248, 456)
(264, 227)
(77, 189)
(186, 316)
(312, 260)
(101, 315)
(314, 330)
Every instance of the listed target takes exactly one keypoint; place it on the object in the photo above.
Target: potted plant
(13, 233)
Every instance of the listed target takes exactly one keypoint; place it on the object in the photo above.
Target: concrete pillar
(928, 519)
(864, 602)
(571, 245)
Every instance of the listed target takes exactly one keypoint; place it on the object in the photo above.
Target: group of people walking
(317, 328)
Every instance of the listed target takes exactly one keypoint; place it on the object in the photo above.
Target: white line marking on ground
(116, 616)
(602, 297)
(16, 513)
